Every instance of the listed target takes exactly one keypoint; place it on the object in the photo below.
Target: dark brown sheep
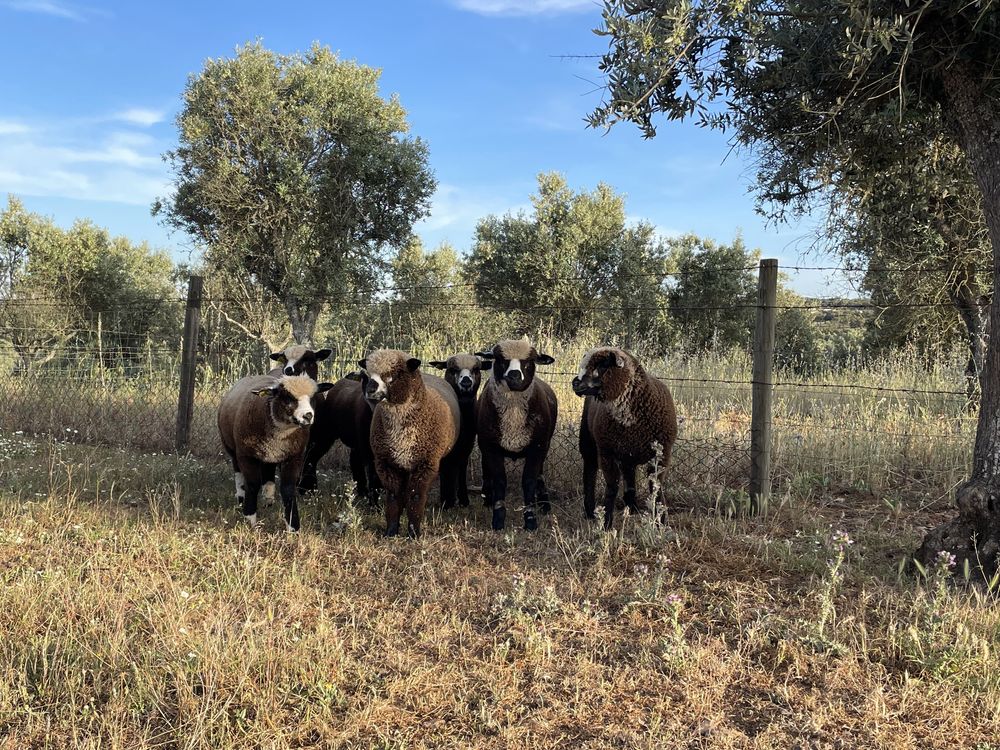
(264, 424)
(517, 418)
(414, 427)
(625, 412)
(463, 372)
(343, 413)
(299, 360)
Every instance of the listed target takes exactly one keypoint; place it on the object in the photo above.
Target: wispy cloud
(525, 7)
(72, 159)
(456, 209)
(48, 8)
(9, 127)
(140, 116)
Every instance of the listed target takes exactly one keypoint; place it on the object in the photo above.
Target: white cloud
(81, 159)
(9, 127)
(526, 7)
(140, 116)
(47, 8)
(455, 211)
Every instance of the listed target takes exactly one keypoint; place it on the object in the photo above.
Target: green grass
(137, 611)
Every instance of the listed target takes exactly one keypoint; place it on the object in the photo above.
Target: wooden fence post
(763, 366)
(189, 355)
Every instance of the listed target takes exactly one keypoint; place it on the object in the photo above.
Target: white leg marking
(241, 487)
(251, 519)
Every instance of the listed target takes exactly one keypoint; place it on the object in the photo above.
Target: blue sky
(91, 90)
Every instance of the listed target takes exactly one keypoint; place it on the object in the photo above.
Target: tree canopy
(293, 171)
(828, 95)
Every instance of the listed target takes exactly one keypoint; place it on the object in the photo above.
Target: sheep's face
(604, 373)
(298, 360)
(514, 363)
(463, 373)
(290, 399)
(391, 375)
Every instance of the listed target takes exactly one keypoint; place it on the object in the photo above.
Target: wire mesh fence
(112, 380)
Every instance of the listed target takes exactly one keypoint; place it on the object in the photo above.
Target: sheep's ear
(355, 376)
(323, 387)
(363, 364)
(485, 354)
(412, 364)
(279, 357)
(266, 390)
(485, 360)
(438, 364)
(545, 359)
(619, 360)
(323, 354)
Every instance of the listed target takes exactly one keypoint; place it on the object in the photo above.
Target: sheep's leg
(318, 447)
(397, 490)
(529, 486)
(359, 473)
(241, 485)
(418, 501)
(487, 491)
(588, 449)
(463, 481)
(493, 468)
(289, 476)
(631, 495)
(544, 504)
(374, 483)
(251, 472)
(448, 483)
(612, 475)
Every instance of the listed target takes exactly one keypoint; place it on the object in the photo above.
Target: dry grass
(137, 612)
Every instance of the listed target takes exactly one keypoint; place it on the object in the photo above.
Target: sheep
(343, 413)
(414, 428)
(626, 412)
(517, 418)
(463, 372)
(264, 424)
(299, 360)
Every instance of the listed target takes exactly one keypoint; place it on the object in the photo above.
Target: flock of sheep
(404, 428)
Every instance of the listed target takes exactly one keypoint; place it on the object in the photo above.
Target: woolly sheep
(516, 419)
(264, 424)
(414, 428)
(625, 412)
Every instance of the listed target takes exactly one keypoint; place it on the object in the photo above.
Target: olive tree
(823, 90)
(294, 172)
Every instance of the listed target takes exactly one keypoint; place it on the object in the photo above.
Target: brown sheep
(625, 412)
(517, 418)
(343, 413)
(264, 424)
(463, 372)
(414, 428)
(299, 360)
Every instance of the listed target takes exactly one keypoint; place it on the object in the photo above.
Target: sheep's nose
(289, 371)
(576, 382)
(515, 375)
(307, 418)
(465, 383)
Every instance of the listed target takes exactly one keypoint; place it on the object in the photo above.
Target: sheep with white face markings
(414, 427)
(264, 425)
(463, 372)
(299, 360)
(516, 419)
(626, 413)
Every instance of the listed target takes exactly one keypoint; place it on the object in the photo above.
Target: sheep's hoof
(448, 505)
(392, 530)
(545, 507)
(463, 501)
(499, 518)
(530, 522)
(413, 532)
(590, 515)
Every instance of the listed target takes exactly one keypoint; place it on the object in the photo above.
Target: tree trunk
(965, 296)
(974, 535)
(303, 317)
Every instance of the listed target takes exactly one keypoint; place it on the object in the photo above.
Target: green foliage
(573, 264)
(62, 287)
(714, 292)
(294, 172)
